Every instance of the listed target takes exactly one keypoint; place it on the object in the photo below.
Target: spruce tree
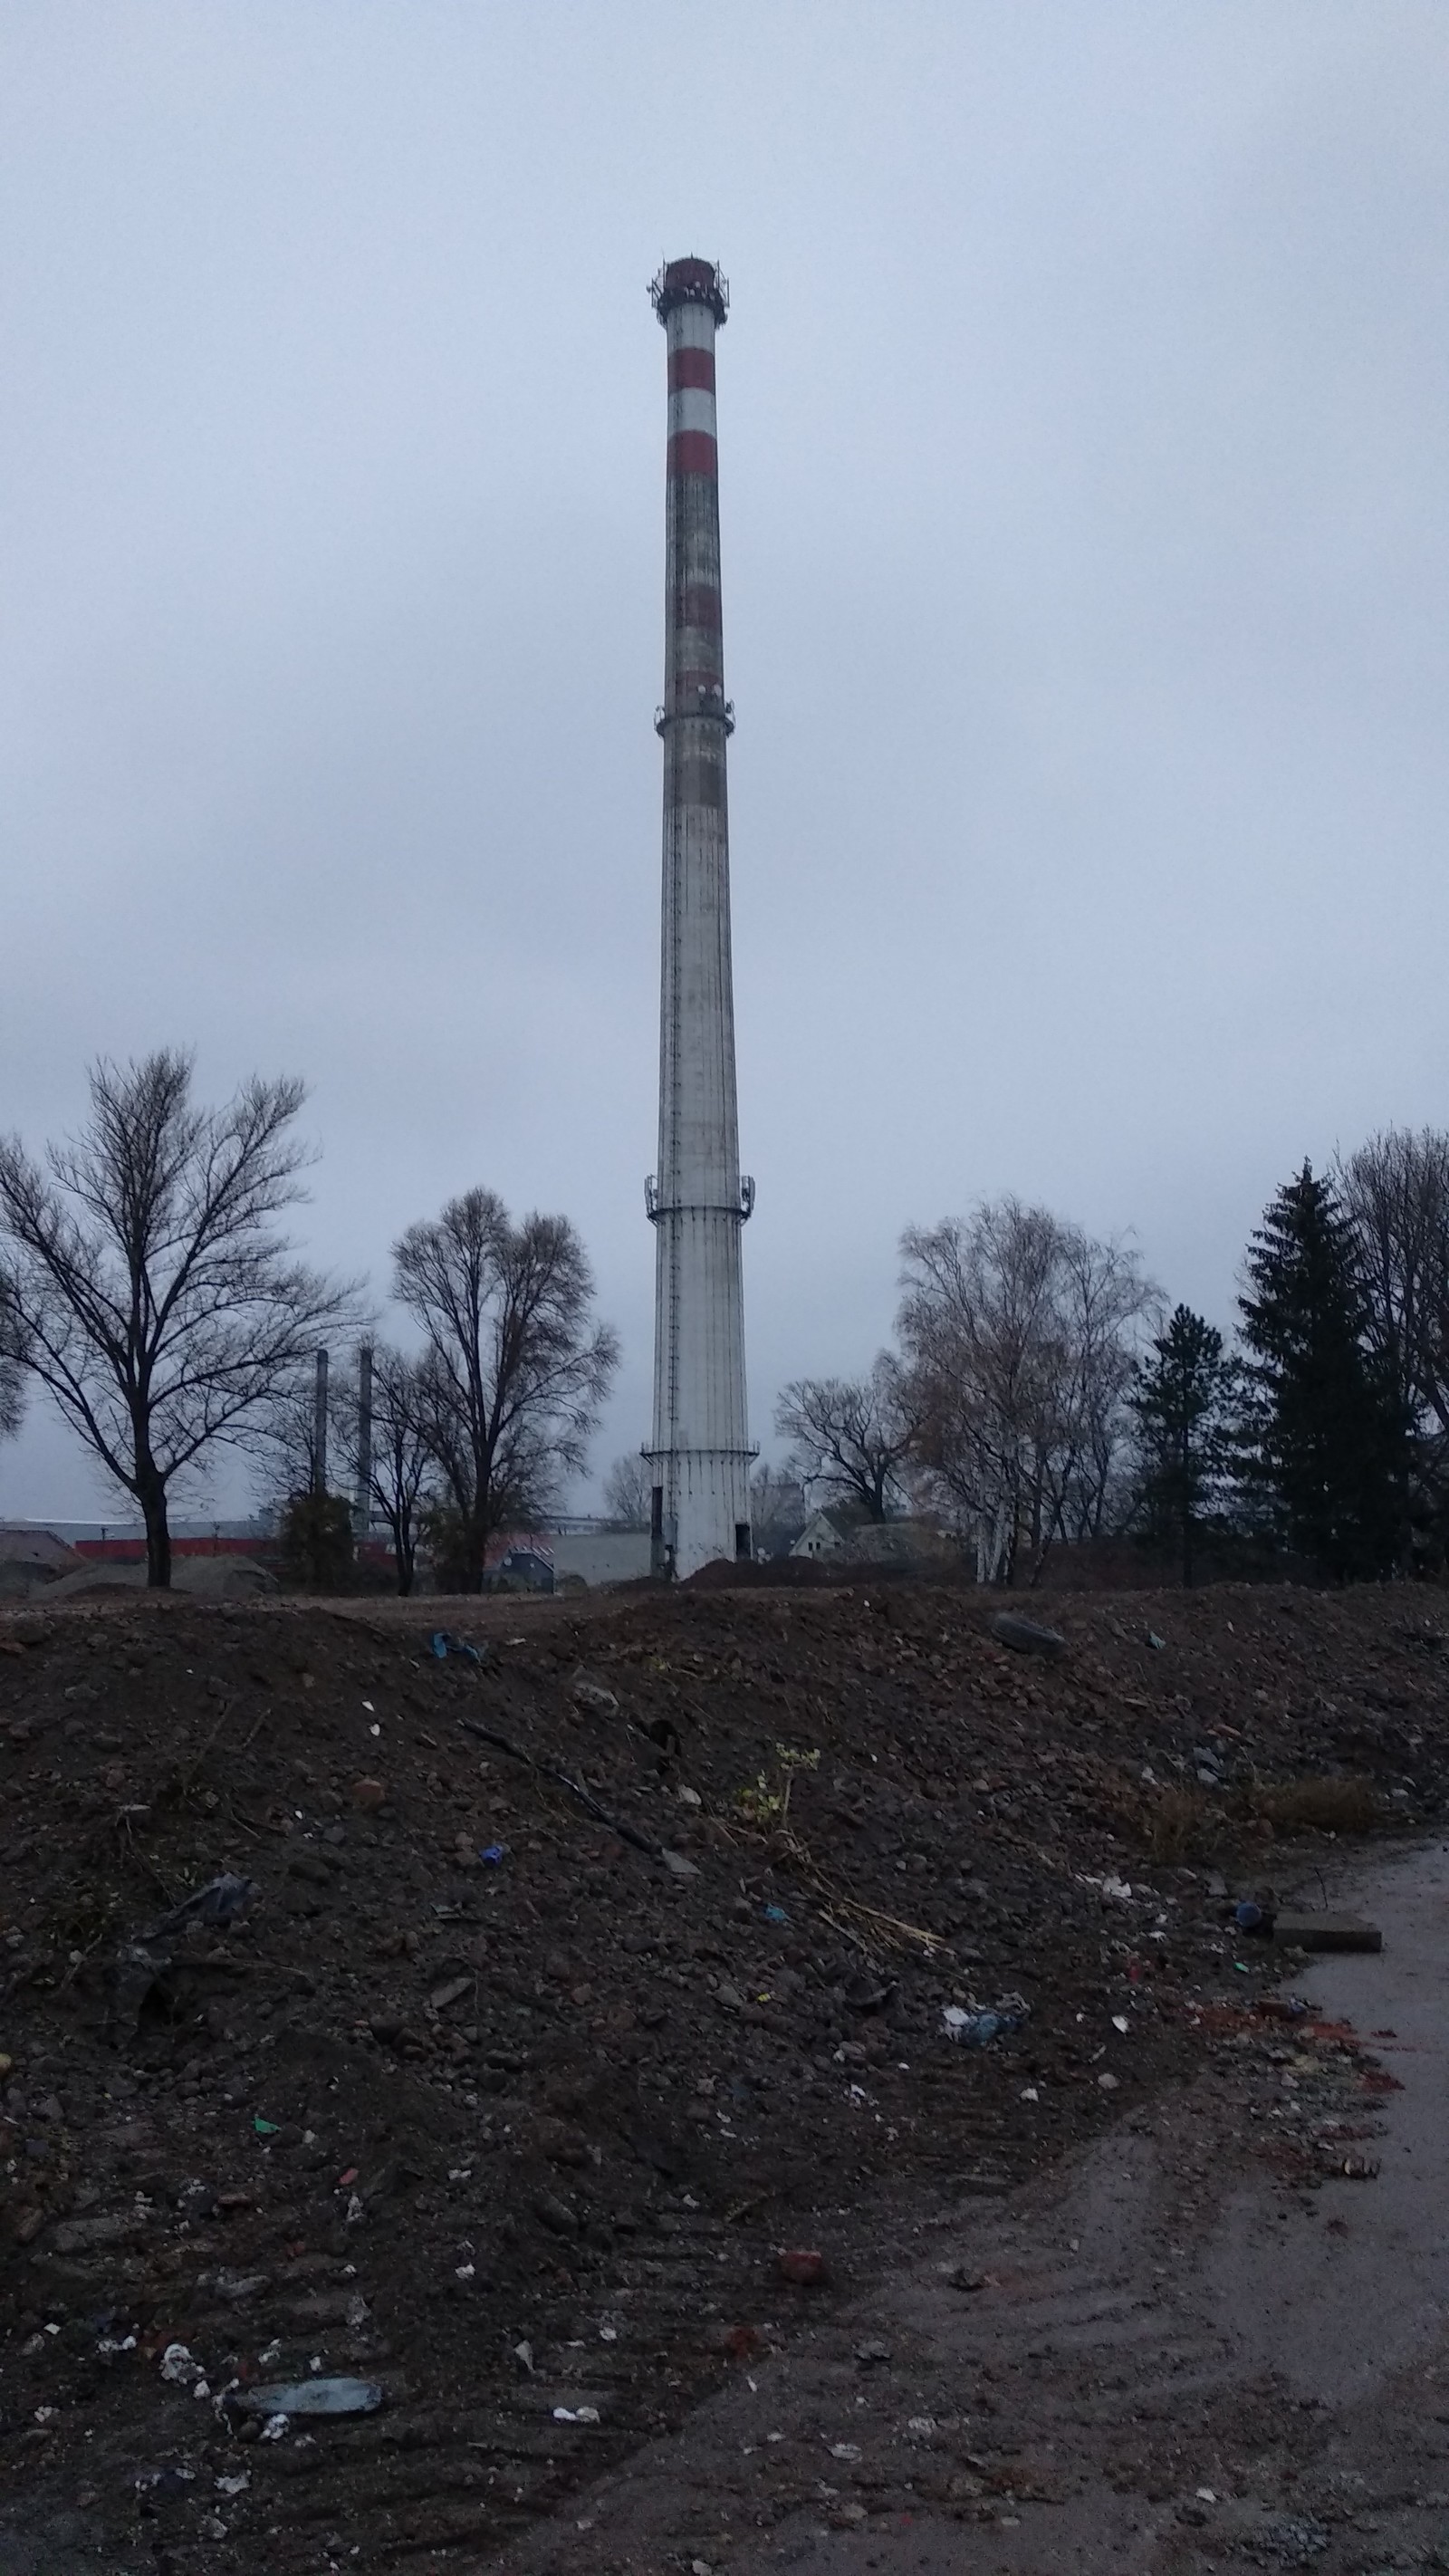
(1329, 1439)
(1183, 1402)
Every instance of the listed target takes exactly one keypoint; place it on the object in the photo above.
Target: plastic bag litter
(312, 2397)
(976, 2025)
(222, 1900)
(442, 1644)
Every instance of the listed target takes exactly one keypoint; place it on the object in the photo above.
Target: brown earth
(522, 2141)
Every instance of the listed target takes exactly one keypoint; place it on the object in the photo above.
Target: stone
(802, 2265)
(554, 2214)
(1326, 1932)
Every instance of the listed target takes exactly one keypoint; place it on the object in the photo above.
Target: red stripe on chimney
(691, 367)
(694, 451)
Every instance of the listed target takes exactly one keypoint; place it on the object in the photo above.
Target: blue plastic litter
(493, 1853)
(1247, 1916)
(776, 1914)
(443, 1644)
(976, 2028)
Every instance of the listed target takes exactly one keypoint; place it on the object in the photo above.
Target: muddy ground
(534, 2048)
(1217, 2339)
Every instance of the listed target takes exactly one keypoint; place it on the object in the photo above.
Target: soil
(523, 2140)
(1213, 2340)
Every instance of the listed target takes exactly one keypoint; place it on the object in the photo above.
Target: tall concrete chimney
(697, 1198)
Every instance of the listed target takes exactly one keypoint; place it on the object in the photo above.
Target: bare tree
(778, 1510)
(401, 1476)
(628, 1498)
(12, 1357)
(851, 1437)
(1019, 1335)
(158, 1303)
(1395, 1191)
(285, 1443)
(514, 1370)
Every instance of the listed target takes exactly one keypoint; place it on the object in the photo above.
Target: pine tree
(1184, 1403)
(1330, 1443)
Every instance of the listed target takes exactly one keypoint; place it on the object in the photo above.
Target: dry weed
(1341, 1805)
(1182, 1824)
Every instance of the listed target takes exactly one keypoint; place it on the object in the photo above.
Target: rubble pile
(428, 2061)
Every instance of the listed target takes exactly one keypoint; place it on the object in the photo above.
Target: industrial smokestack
(697, 1198)
(319, 1427)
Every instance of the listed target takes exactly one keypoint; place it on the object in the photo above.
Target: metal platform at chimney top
(690, 281)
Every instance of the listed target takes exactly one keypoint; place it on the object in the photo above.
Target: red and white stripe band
(694, 451)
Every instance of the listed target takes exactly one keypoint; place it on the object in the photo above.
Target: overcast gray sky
(1083, 439)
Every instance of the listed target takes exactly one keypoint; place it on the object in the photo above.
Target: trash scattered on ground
(442, 1644)
(492, 1853)
(585, 1692)
(976, 2025)
(310, 2397)
(702, 2067)
(1326, 1932)
(222, 1900)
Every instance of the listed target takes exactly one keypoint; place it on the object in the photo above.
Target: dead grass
(1182, 1825)
(1341, 1805)
(1191, 1825)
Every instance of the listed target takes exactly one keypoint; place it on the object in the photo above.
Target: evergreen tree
(1183, 1402)
(1329, 1437)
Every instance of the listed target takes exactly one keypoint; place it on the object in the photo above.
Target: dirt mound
(200, 1578)
(575, 1981)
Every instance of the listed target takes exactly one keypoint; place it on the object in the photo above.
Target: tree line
(149, 1288)
(1040, 1394)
